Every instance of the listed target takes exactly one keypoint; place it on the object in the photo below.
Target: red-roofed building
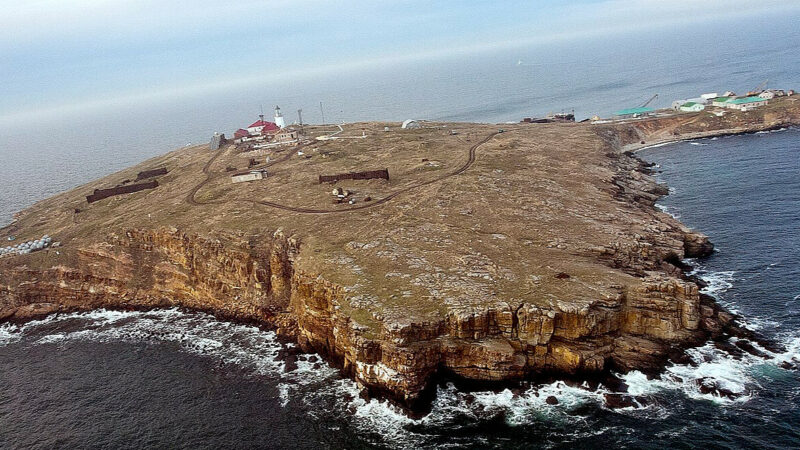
(261, 126)
(241, 133)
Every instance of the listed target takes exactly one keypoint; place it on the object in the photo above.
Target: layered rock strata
(237, 280)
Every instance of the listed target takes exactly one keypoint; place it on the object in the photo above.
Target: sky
(64, 55)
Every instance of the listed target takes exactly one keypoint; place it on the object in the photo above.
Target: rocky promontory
(486, 255)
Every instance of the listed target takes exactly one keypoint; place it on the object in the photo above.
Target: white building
(721, 102)
(710, 95)
(701, 100)
(279, 120)
(767, 95)
(692, 107)
(746, 103)
(252, 175)
(742, 104)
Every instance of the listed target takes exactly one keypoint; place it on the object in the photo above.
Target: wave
(772, 131)
(716, 375)
(310, 383)
(668, 210)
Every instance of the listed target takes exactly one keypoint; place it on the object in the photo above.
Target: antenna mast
(300, 119)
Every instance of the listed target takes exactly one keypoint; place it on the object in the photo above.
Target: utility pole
(323, 113)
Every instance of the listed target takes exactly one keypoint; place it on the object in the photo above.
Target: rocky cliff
(544, 253)
(258, 282)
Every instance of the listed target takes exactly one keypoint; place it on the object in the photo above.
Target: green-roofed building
(692, 107)
(742, 101)
(742, 104)
(634, 112)
(720, 101)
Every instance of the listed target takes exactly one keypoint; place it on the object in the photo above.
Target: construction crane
(759, 89)
(649, 101)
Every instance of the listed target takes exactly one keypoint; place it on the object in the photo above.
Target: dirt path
(206, 170)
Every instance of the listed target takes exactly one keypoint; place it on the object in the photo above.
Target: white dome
(410, 123)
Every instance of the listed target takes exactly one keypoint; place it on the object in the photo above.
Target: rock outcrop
(243, 281)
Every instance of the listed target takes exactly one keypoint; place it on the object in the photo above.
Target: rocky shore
(542, 254)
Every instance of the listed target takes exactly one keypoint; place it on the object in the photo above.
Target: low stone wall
(151, 173)
(100, 194)
(367, 175)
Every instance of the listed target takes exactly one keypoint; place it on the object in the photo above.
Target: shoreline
(642, 311)
(635, 148)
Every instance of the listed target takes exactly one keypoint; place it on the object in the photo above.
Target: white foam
(718, 282)
(9, 333)
(741, 376)
(313, 382)
(667, 210)
(283, 393)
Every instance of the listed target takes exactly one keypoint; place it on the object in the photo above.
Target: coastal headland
(487, 255)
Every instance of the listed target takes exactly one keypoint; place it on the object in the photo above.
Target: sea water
(176, 379)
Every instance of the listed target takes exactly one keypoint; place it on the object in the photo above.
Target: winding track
(190, 198)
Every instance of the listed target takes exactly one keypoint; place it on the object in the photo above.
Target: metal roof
(751, 99)
(629, 111)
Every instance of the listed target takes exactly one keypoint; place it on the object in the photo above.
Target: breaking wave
(713, 375)
(668, 210)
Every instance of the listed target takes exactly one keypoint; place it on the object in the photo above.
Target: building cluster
(729, 100)
(262, 131)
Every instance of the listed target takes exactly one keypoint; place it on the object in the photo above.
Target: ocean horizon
(184, 379)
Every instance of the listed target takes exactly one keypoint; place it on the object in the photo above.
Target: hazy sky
(62, 54)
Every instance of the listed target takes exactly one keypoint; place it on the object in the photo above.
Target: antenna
(323, 113)
(261, 116)
(300, 119)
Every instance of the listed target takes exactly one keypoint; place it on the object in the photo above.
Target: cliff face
(257, 281)
(487, 256)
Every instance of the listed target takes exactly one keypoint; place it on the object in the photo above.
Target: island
(479, 252)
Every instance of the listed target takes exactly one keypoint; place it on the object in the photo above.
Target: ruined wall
(367, 175)
(100, 194)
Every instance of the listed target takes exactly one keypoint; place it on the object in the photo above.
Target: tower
(279, 118)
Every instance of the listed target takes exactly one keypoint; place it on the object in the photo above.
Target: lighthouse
(279, 118)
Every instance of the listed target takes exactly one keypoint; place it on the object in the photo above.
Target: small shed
(410, 124)
(767, 95)
(250, 175)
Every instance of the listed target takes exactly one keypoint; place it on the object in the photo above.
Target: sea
(178, 379)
